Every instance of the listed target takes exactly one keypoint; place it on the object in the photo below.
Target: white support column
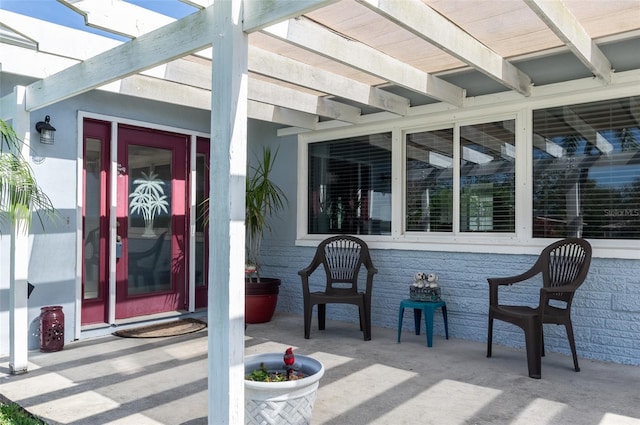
(226, 215)
(19, 260)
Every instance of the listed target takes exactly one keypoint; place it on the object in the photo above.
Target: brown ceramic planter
(260, 299)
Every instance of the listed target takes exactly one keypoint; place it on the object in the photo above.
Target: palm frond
(20, 195)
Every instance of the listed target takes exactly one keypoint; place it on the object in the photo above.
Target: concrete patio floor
(112, 380)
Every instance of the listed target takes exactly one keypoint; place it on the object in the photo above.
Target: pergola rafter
(169, 60)
(565, 25)
(313, 37)
(426, 23)
(321, 54)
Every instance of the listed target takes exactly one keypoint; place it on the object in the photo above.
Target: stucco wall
(52, 263)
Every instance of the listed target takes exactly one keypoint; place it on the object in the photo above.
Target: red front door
(149, 271)
(95, 223)
(151, 222)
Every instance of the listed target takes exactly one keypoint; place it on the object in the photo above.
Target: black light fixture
(46, 130)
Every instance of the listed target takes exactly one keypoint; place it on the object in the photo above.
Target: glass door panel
(202, 229)
(95, 222)
(149, 224)
(91, 288)
(151, 207)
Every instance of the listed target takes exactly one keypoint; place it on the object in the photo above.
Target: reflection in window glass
(429, 165)
(586, 170)
(202, 177)
(92, 219)
(350, 186)
(487, 177)
(149, 233)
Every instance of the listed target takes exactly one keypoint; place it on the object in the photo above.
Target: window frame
(480, 110)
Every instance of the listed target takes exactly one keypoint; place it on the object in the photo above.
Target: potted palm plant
(263, 199)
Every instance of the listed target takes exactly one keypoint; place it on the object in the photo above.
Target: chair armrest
(496, 282)
(307, 271)
(315, 262)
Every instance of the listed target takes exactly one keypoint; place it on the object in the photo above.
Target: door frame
(112, 204)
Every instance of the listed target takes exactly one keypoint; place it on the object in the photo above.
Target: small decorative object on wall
(148, 198)
(425, 287)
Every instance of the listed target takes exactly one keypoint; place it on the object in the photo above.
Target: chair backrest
(343, 257)
(565, 262)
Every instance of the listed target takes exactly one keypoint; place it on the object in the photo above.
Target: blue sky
(54, 11)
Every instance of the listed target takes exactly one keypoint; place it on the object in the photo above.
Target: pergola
(307, 65)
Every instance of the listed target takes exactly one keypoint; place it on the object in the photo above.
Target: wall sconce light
(46, 131)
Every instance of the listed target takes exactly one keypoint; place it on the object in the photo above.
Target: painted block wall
(606, 309)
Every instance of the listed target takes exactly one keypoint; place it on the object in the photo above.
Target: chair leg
(569, 327)
(428, 323)
(446, 322)
(489, 335)
(542, 340)
(417, 317)
(400, 318)
(532, 335)
(364, 311)
(322, 314)
(308, 314)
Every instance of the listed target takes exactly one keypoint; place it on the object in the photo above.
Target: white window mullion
(456, 179)
(397, 184)
(524, 175)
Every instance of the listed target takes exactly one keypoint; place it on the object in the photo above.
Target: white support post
(19, 260)
(226, 215)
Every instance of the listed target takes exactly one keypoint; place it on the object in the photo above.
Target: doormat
(174, 328)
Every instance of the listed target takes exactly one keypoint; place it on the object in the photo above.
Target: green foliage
(263, 199)
(265, 375)
(20, 195)
(12, 414)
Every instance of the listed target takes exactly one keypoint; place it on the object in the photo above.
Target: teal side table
(428, 307)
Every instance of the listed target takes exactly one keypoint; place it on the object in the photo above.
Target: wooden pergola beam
(313, 37)
(426, 23)
(565, 25)
(259, 14)
(162, 45)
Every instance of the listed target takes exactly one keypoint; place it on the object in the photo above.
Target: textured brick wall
(606, 310)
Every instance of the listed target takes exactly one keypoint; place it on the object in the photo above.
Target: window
(350, 186)
(429, 168)
(487, 179)
(456, 186)
(586, 170)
